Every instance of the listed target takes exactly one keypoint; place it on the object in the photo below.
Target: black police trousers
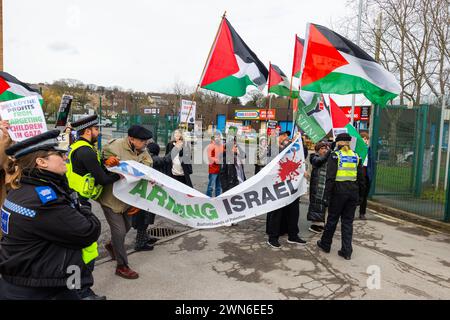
(283, 220)
(343, 206)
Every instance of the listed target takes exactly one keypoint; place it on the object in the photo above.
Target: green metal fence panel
(406, 161)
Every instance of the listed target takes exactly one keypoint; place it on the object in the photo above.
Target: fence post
(436, 160)
(416, 152)
(374, 147)
(420, 156)
(447, 199)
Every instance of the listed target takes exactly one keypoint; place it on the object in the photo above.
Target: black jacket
(316, 209)
(228, 173)
(84, 160)
(184, 155)
(347, 187)
(45, 232)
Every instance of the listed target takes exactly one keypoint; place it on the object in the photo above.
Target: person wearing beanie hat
(119, 214)
(343, 189)
(45, 227)
(316, 208)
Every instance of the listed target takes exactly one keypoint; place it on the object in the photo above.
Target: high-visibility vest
(89, 253)
(84, 185)
(347, 165)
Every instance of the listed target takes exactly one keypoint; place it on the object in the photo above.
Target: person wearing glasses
(45, 228)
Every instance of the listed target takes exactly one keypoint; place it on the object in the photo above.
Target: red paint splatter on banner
(289, 169)
(190, 195)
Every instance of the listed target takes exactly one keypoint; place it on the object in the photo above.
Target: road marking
(392, 219)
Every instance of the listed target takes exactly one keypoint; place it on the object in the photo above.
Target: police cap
(343, 137)
(86, 122)
(46, 141)
(139, 132)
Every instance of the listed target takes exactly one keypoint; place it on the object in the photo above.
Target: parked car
(106, 122)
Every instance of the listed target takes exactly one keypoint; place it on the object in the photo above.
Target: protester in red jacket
(215, 151)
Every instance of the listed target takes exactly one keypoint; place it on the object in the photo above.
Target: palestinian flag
(279, 83)
(11, 88)
(298, 54)
(231, 65)
(312, 116)
(342, 124)
(333, 64)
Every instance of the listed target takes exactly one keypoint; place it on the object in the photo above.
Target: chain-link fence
(409, 174)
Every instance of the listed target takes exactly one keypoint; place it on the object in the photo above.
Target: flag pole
(331, 116)
(290, 93)
(358, 37)
(204, 67)
(269, 98)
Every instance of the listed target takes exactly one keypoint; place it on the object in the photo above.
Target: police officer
(117, 213)
(44, 227)
(85, 171)
(87, 175)
(343, 188)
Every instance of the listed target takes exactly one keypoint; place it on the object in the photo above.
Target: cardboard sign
(187, 110)
(25, 117)
(63, 112)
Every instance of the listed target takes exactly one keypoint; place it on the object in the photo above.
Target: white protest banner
(25, 117)
(187, 105)
(279, 183)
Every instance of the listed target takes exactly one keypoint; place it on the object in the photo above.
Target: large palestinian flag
(11, 88)
(298, 54)
(342, 124)
(333, 64)
(231, 65)
(279, 83)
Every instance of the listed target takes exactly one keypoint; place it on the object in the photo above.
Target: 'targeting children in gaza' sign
(25, 117)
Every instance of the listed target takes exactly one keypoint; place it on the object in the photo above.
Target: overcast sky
(147, 45)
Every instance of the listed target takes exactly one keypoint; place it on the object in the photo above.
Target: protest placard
(25, 117)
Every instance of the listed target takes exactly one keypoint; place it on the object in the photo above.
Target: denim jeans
(213, 179)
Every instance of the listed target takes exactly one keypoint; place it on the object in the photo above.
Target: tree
(412, 40)
(257, 99)
(235, 101)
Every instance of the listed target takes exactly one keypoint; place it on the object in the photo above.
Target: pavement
(392, 259)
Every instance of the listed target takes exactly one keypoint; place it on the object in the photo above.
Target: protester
(283, 139)
(215, 151)
(45, 227)
(232, 168)
(343, 190)
(118, 214)
(316, 209)
(262, 154)
(87, 175)
(368, 176)
(178, 159)
(285, 220)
